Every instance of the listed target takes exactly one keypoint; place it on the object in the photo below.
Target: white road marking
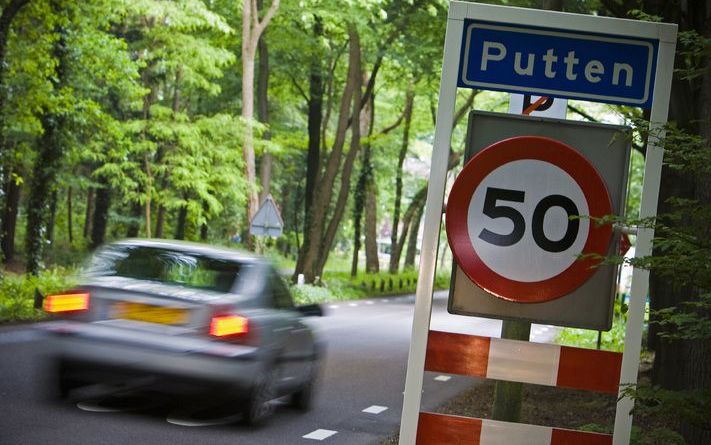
(319, 434)
(375, 409)
(384, 300)
(352, 304)
(369, 302)
(333, 306)
(443, 378)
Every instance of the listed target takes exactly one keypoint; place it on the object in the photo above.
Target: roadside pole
(508, 396)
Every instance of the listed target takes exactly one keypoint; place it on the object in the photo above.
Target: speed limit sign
(520, 215)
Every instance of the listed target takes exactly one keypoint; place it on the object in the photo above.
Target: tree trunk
(149, 193)
(358, 206)
(412, 239)
(160, 156)
(52, 217)
(266, 163)
(70, 228)
(308, 261)
(180, 227)
(134, 227)
(9, 13)
(681, 365)
(344, 192)
(9, 218)
(554, 5)
(315, 116)
(89, 212)
(101, 214)
(359, 199)
(50, 152)
(160, 221)
(407, 117)
(372, 262)
(252, 29)
(203, 232)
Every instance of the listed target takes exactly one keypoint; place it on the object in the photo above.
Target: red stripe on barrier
(440, 429)
(567, 437)
(589, 369)
(457, 354)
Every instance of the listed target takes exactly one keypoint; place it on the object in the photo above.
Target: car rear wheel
(303, 398)
(63, 383)
(260, 406)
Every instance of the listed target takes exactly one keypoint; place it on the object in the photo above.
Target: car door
(295, 337)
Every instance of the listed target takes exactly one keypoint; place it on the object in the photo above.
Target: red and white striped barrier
(521, 361)
(441, 429)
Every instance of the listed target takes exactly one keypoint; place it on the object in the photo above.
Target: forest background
(176, 118)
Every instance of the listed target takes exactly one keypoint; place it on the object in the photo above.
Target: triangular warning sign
(267, 221)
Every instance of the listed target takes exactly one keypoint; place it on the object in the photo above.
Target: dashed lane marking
(352, 304)
(369, 302)
(375, 409)
(333, 306)
(443, 378)
(319, 434)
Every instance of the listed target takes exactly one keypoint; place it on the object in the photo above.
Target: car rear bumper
(105, 354)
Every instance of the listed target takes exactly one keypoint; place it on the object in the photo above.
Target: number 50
(493, 210)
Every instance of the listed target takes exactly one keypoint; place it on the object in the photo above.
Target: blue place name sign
(560, 63)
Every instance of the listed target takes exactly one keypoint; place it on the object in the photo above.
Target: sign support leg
(648, 208)
(508, 396)
(430, 238)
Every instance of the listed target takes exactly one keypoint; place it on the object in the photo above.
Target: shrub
(17, 292)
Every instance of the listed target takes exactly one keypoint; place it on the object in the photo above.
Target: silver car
(185, 318)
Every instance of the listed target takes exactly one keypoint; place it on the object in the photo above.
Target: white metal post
(648, 208)
(430, 238)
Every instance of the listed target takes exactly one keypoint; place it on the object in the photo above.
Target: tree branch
(396, 124)
(461, 112)
(254, 16)
(259, 28)
(582, 113)
(298, 87)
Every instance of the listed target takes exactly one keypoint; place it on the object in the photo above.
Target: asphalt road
(359, 399)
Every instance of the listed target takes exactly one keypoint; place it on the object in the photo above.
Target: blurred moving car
(185, 318)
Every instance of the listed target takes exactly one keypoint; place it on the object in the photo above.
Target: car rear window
(166, 266)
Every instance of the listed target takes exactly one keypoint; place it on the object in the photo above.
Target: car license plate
(150, 313)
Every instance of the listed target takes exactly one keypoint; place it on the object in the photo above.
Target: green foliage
(690, 406)
(612, 340)
(310, 294)
(17, 292)
(338, 286)
(652, 436)
(688, 321)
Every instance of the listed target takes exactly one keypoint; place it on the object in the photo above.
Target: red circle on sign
(496, 155)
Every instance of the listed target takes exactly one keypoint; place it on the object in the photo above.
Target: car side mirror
(310, 310)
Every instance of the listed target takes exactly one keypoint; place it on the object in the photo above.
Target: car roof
(217, 252)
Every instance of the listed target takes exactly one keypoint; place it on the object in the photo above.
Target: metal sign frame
(458, 13)
(607, 147)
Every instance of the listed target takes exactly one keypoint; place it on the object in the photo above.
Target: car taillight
(69, 302)
(225, 325)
